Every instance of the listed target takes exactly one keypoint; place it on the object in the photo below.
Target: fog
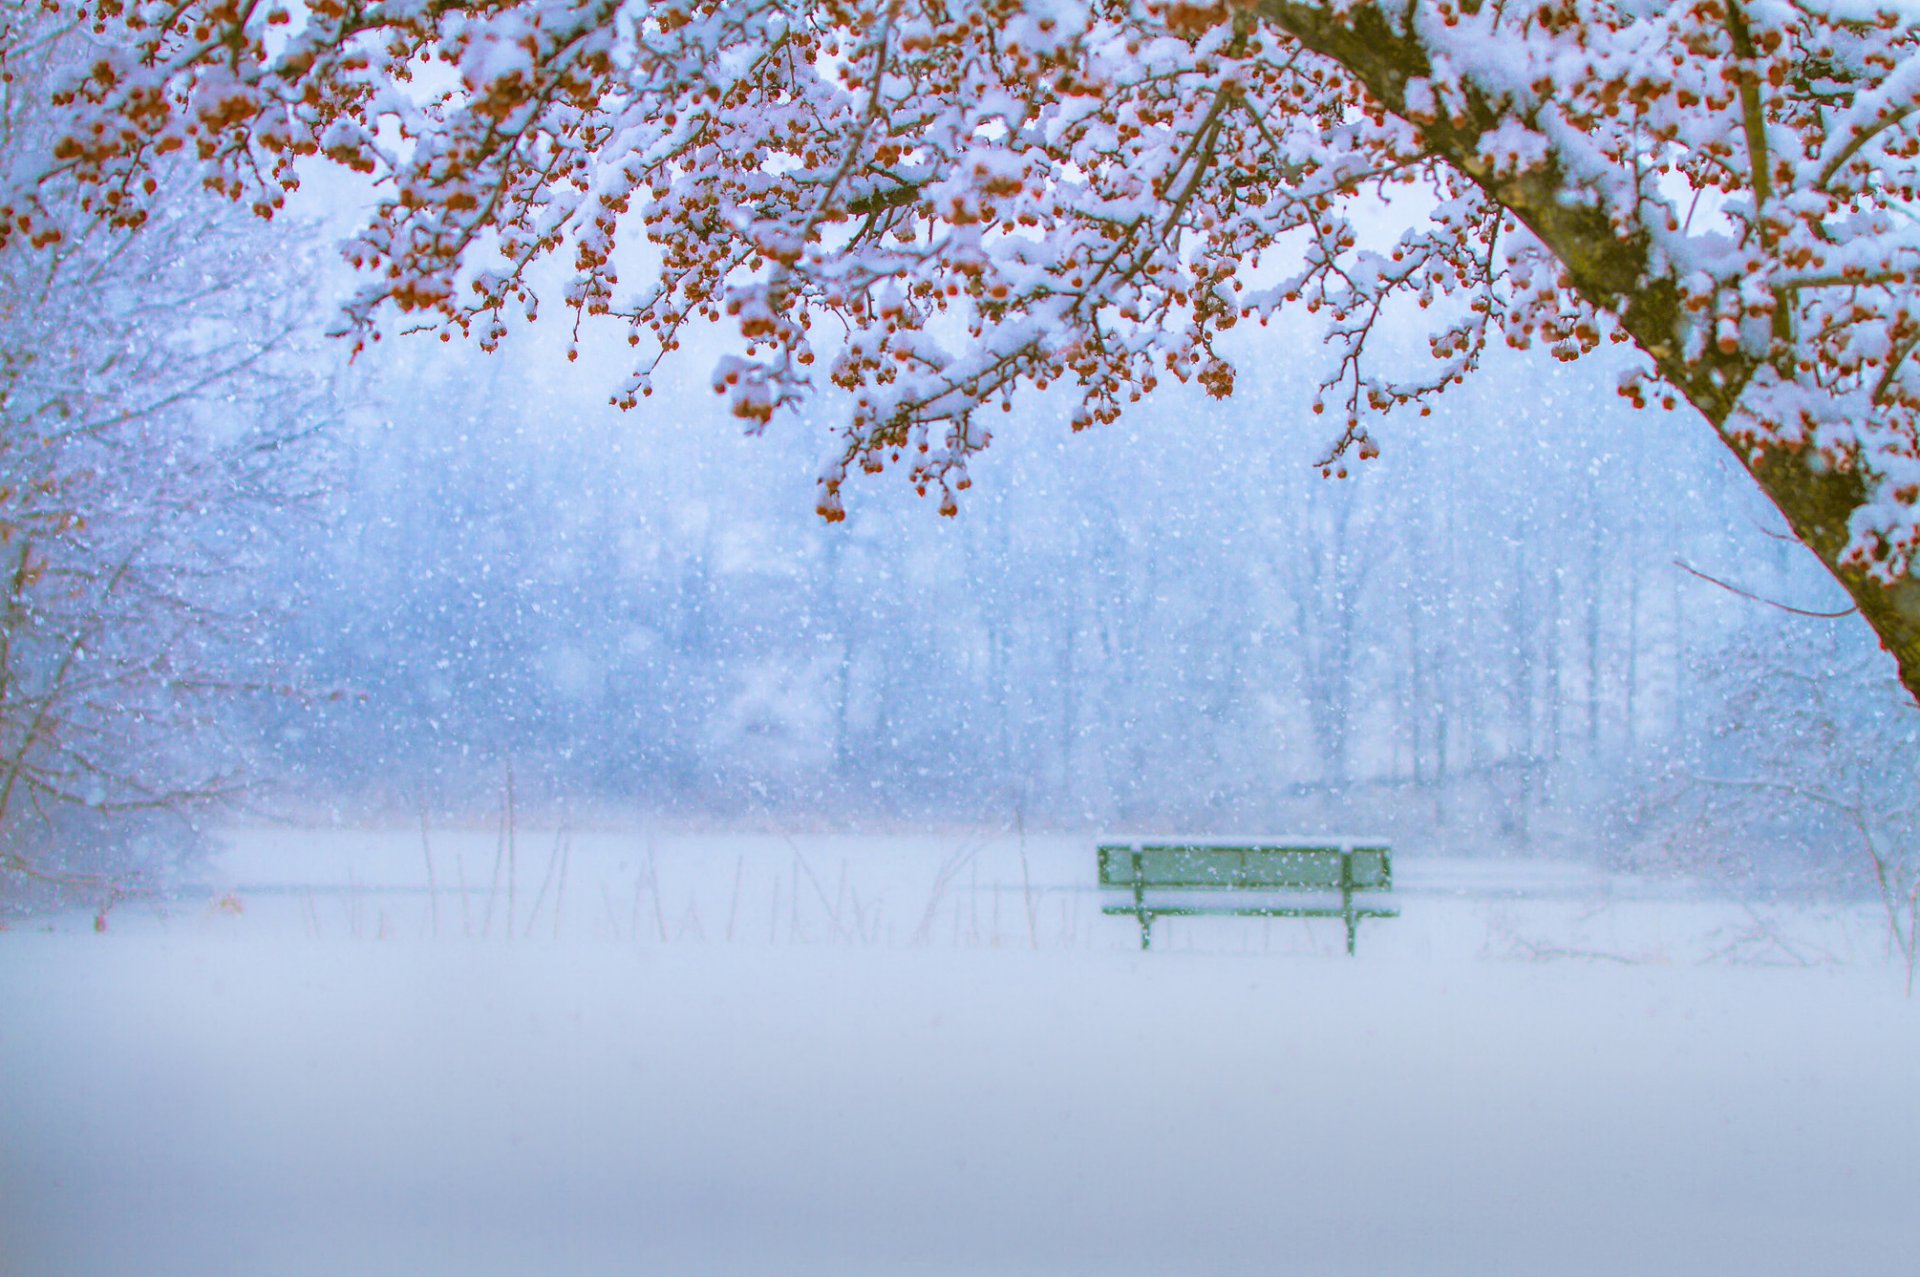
(1532, 626)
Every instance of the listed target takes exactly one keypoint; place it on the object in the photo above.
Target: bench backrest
(1217, 866)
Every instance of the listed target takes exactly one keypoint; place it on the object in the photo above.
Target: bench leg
(1140, 901)
(1346, 899)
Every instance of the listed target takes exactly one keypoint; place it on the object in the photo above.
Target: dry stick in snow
(633, 918)
(560, 891)
(546, 881)
(511, 848)
(942, 878)
(733, 904)
(466, 907)
(1026, 877)
(653, 877)
(793, 903)
(426, 850)
(1534, 949)
(832, 908)
(613, 919)
(859, 916)
(973, 904)
(1766, 930)
(493, 887)
(840, 892)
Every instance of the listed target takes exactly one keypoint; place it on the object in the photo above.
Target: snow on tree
(935, 203)
(152, 434)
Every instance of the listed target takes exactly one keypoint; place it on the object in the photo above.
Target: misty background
(252, 578)
(1488, 641)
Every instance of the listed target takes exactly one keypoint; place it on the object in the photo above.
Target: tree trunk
(1614, 271)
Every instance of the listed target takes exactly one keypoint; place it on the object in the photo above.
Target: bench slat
(1202, 867)
(1255, 911)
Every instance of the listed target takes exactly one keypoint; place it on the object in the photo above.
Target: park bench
(1190, 877)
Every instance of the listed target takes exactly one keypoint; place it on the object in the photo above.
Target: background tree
(646, 614)
(149, 438)
(1807, 770)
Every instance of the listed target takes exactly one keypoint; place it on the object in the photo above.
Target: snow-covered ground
(762, 1055)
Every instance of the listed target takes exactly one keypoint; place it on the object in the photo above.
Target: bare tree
(1812, 761)
(151, 429)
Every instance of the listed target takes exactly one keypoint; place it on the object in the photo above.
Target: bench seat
(1197, 877)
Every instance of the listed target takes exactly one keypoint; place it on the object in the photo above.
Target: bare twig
(1684, 566)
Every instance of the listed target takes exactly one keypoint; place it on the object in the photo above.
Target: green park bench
(1184, 878)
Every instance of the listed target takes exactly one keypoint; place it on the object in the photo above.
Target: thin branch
(1684, 566)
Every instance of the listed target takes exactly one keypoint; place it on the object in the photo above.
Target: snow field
(213, 1093)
